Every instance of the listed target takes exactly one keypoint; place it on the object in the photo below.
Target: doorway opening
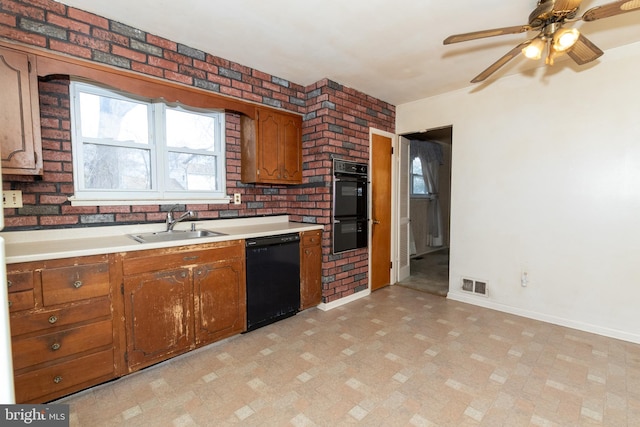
(429, 195)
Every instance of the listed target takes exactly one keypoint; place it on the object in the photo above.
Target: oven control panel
(347, 167)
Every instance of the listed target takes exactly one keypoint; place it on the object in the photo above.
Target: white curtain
(431, 157)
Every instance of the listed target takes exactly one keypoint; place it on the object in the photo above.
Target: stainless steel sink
(168, 236)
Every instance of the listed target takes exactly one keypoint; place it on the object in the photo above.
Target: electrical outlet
(12, 199)
(236, 199)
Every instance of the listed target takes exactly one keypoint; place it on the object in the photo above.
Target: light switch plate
(12, 198)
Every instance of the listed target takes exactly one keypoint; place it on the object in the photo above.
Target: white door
(404, 221)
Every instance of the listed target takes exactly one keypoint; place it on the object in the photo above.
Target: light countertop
(38, 245)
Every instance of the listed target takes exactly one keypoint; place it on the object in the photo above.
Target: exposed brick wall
(54, 26)
(336, 124)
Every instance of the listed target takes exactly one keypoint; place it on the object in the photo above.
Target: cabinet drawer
(74, 283)
(49, 319)
(311, 238)
(19, 281)
(20, 300)
(56, 345)
(65, 377)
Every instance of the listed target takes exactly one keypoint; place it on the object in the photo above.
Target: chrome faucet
(172, 222)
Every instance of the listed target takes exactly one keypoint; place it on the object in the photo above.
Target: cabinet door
(269, 147)
(278, 141)
(158, 309)
(291, 148)
(310, 269)
(220, 300)
(20, 141)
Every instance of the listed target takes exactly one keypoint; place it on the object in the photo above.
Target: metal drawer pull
(57, 379)
(55, 346)
(9, 284)
(53, 319)
(190, 258)
(77, 284)
(10, 303)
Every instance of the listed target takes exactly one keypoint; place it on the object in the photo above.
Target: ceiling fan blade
(500, 62)
(457, 38)
(611, 9)
(584, 51)
(566, 5)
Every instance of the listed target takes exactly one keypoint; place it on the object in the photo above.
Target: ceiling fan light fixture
(534, 49)
(548, 18)
(565, 38)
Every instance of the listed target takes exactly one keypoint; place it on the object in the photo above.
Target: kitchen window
(128, 150)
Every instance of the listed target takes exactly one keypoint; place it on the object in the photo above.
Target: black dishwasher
(273, 279)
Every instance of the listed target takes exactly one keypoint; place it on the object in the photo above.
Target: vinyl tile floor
(397, 357)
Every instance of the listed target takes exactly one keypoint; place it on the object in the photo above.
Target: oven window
(350, 199)
(349, 235)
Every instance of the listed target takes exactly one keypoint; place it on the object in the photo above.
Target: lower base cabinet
(62, 327)
(178, 299)
(310, 269)
(158, 315)
(82, 321)
(219, 296)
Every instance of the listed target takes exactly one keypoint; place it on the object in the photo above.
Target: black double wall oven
(350, 207)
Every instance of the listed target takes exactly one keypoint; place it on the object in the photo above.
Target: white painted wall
(546, 178)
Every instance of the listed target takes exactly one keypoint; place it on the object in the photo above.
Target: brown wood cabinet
(158, 309)
(20, 140)
(220, 298)
(82, 321)
(61, 326)
(176, 299)
(310, 269)
(271, 148)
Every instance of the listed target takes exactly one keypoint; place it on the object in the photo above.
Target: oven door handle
(339, 178)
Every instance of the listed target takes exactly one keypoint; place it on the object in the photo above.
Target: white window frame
(158, 194)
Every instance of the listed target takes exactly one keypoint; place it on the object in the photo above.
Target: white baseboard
(342, 301)
(560, 321)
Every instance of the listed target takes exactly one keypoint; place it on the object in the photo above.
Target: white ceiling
(389, 49)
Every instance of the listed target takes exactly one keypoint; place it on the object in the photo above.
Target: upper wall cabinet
(272, 148)
(19, 114)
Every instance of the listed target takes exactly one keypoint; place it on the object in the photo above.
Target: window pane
(116, 168)
(418, 185)
(192, 172)
(416, 166)
(109, 118)
(190, 130)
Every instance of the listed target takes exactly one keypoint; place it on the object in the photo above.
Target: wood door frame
(395, 158)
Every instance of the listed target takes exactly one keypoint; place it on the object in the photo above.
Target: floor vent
(474, 286)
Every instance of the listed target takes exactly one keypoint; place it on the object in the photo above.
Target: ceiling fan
(548, 18)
